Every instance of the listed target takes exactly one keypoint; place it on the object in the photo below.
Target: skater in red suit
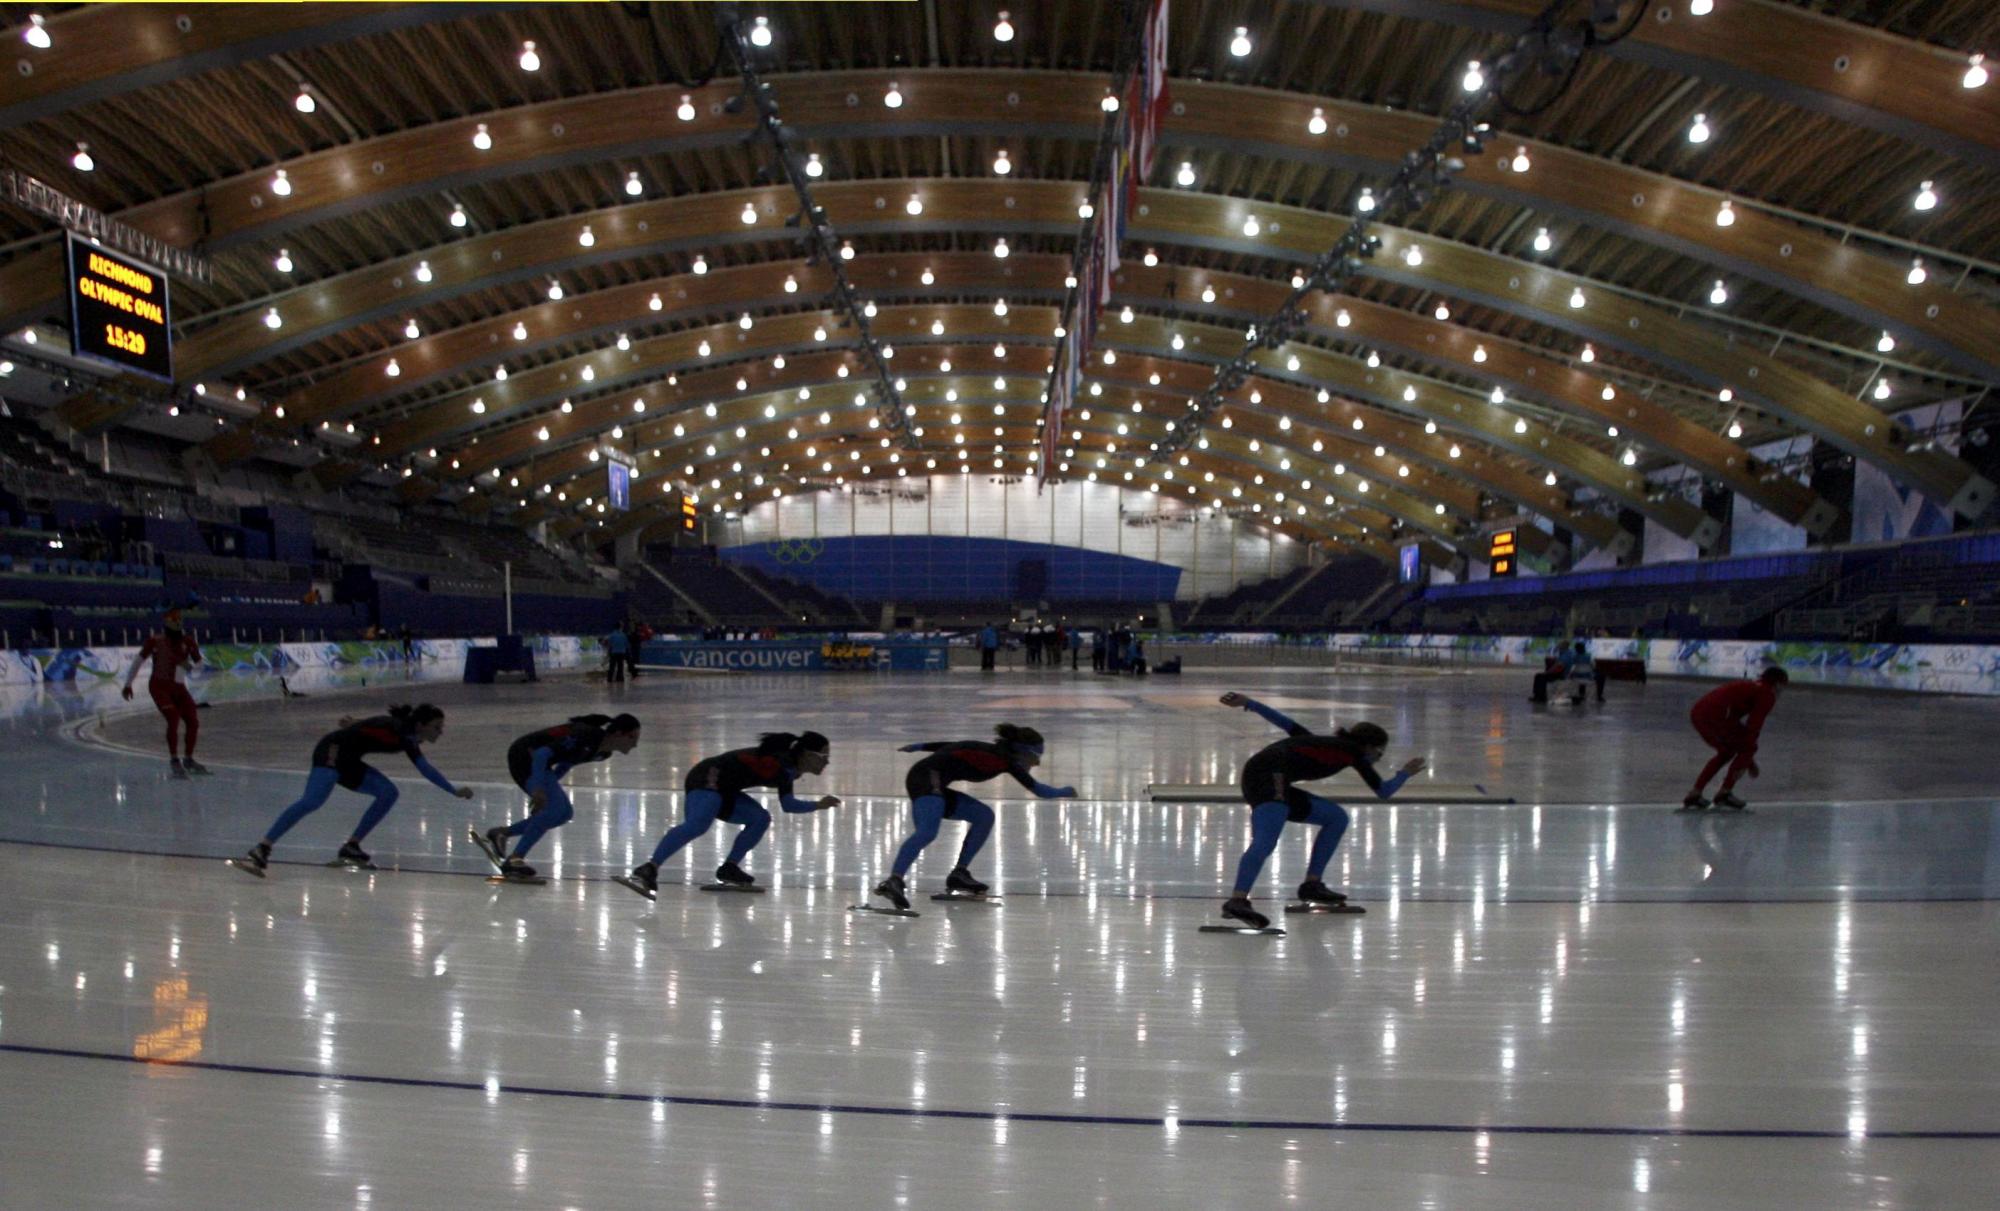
(1729, 719)
(172, 652)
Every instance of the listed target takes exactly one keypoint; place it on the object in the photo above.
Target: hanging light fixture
(530, 61)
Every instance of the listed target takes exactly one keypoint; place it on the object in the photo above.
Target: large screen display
(118, 311)
(1410, 567)
(620, 494)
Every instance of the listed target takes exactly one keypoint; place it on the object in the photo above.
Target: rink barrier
(797, 655)
(101, 664)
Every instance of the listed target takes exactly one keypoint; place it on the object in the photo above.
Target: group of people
(1729, 719)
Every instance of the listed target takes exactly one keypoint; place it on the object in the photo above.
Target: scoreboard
(619, 492)
(1502, 553)
(689, 513)
(118, 311)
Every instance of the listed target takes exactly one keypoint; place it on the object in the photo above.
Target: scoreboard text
(1501, 553)
(118, 311)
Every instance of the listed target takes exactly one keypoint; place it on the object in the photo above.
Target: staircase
(700, 611)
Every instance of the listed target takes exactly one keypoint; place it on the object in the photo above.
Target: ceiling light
(1588, 355)
(1926, 197)
(284, 261)
(36, 35)
(1975, 72)
(894, 97)
(1442, 312)
(1001, 164)
(744, 322)
(760, 32)
(1917, 274)
(1184, 177)
(1542, 241)
(273, 320)
(700, 265)
(1700, 8)
(281, 184)
(481, 139)
(1374, 359)
(1110, 102)
(1882, 388)
(1886, 345)
(685, 112)
(633, 185)
(1208, 294)
(1520, 161)
(1000, 248)
(1479, 353)
(1240, 44)
(586, 237)
(1474, 79)
(1250, 227)
(499, 374)
(1735, 429)
(914, 206)
(1003, 29)
(1366, 202)
(1699, 132)
(458, 218)
(1413, 256)
(1084, 210)
(410, 329)
(520, 331)
(392, 369)
(1576, 298)
(654, 303)
(749, 214)
(81, 161)
(555, 291)
(1725, 214)
(1549, 479)
(530, 61)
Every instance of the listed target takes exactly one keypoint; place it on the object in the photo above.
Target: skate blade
(634, 884)
(1327, 910)
(337, 864)
(1269, 931)
(485, 847)
(738, 888)
(1689, 810)
(884, 912)
(246, 866)
(536, 880)
(960, 897)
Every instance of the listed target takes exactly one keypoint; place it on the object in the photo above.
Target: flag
(1149, 113)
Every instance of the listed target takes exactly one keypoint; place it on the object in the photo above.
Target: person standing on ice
(714, 790)
(1015, 752)
(1270, 787)
(339, 760)
(1729, 718)
(172, 651)
(537, 763)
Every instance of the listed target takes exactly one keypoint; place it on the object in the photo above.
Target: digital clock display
(118, 311)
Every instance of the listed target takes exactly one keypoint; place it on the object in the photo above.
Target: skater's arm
(1042, 789)
(145, 653)
(1385, 788)
(1279, 718)
(1754, 723)
(543, 757)
(928, 746)
(431, 775)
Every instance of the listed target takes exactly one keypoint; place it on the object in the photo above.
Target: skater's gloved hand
(128, 693)
(538, 799)
(1232, 698)
(829, 801)
(911, 748)
(1065, 792)
(1414, 765)
(1752, 770)
(463, 792)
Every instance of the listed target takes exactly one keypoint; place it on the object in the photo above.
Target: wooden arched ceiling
(1814, 161)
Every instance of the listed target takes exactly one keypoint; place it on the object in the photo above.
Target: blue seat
(39, 566)
(59, 567)
(100, 569)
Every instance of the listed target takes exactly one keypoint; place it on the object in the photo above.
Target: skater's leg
(1332, 820)
(926, 812)
(319, 784)
(978, 826)
(378, 787)
(755, 820)
(1722, 757)
(555, 811)
(1267, 822)
(700, 812)
(1739, 762)
(163, 701)
(190, 719)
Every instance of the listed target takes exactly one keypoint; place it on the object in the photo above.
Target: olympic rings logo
(795, 550)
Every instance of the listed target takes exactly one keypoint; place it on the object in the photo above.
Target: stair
(700, 612)
(1288, 594)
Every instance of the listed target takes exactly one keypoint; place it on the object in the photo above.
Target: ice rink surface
(1581, 999)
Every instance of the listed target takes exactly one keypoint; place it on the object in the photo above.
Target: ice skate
(1244, 918)
(644, 880)
(179, 772)
(492, 843)
(1729, 800)
(513, 870)
(892, 890)
(353, 857)
(195, 767)
(255, 861)
(1694, 802)
(960, 885)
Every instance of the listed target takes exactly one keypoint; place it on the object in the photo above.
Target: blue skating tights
(702, 809)
(320, 784)
(928, 812)
(1267, 822)
(555, 810)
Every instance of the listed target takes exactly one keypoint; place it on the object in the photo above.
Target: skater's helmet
(1775, 676)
